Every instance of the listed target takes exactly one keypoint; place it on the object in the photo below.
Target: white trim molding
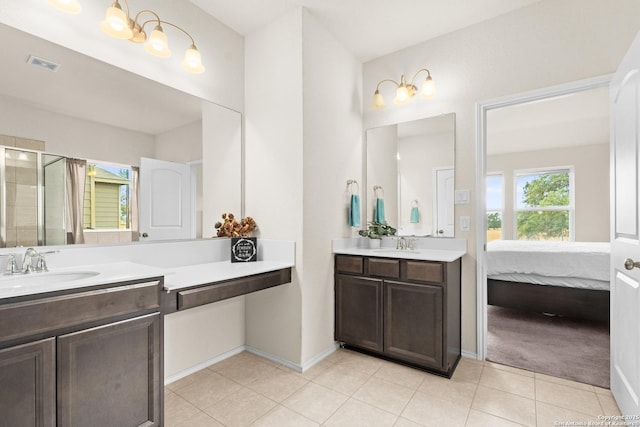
(481, 153)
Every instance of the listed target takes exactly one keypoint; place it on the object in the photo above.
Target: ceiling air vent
(43, 63)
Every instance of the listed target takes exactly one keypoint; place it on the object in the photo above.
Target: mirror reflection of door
(166, 210)
(444, 200)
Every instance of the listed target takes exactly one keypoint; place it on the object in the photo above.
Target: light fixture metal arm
(160, 21)
(386, 80)
(413, 79)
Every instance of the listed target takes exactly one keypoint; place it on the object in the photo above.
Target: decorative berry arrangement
(230, 227)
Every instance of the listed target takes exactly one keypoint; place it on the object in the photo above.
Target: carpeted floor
(567, 348)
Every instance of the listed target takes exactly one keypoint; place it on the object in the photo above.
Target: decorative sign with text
(244, 249)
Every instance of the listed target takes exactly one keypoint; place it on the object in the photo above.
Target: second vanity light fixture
(405, 91)
(119, 24)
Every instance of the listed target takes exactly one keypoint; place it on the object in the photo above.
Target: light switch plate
(462, 197)
(465, 223)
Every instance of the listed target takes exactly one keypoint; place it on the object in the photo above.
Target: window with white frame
(495, 205)
(544, 207)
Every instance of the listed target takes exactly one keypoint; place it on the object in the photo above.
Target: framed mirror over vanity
(414, 163)
(73, 106)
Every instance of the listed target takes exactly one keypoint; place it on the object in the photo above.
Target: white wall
(591, 180)
(222, 164)
(301, 148)
(382, 170)
(420, 156)
(332, 155)
(180, 145)
(274, 176)
(548, 43)
(72, 137)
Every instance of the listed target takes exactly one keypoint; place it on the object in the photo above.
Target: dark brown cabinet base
(90, 357)
(402, 310)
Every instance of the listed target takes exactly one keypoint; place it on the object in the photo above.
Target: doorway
(507, 217)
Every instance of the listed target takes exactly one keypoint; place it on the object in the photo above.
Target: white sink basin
(37, 279)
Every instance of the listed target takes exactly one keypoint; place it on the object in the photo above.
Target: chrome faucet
(27, 261)
(401, 243)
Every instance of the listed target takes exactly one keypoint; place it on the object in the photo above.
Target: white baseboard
(469, 355)
(203, 365)
(287, 363)
(296, 367)
(318, 358)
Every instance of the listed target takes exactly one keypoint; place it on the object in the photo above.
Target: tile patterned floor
(350, 389)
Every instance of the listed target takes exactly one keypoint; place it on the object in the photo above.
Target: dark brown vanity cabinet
(404, 310)
(90, 357)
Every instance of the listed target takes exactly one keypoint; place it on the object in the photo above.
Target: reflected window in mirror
(107, 197)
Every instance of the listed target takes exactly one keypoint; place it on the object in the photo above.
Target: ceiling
(367, 28)
(566, 121)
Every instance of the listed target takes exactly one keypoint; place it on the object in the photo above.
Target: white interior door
(625, 238)
(166, 208)
(445, 192)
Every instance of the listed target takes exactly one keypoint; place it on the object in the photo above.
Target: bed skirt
(569, 302)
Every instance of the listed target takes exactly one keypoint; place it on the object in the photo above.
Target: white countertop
(182, 263)
(74, 278)
(442, 255)
(100, 274)
(424, 249)
(193, 275)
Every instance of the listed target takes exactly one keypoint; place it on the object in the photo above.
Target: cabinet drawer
(384, 267)
(232, 288)
(349, 264)
(425, 271)
(39, 316)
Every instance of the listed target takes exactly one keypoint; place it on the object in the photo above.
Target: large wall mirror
(411, 166)
(91, 110)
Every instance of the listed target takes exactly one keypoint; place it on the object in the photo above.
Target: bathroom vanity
(400, 305)
(83, 344)
(61, 351)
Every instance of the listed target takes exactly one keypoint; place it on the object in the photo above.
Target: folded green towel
(354, 211)
(415, 215)
(378, 215)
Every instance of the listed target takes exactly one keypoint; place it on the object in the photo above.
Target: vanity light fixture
(119, 24)
(405, 91)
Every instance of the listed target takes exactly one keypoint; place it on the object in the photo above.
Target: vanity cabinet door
(413, 323)
(359, 311)
(28, 385)
(111, 375)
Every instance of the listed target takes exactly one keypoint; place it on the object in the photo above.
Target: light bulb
(428, 88)
(402, 95)
(377, 102)
(193, 61)
(116, 23)
(69, 6)
(157, 43)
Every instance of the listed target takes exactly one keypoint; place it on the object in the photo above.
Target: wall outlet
(465, 223)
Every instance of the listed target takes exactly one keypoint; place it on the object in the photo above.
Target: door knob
(629, 264)
(145, 235)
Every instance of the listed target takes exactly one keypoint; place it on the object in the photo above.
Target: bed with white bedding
(564, 278)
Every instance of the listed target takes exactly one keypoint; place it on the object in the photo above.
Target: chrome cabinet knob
(629, 264)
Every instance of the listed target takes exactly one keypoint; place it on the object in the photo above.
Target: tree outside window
(544, 205)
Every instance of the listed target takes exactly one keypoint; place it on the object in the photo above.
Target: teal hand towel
(354, 211)
(415, 215)
(379, 213)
